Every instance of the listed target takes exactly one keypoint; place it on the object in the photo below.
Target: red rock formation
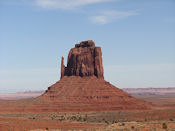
(78, 94)
(81, 88)
(84, 60)
(62, 67)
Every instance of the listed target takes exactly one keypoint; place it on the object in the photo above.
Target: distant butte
(81, 88)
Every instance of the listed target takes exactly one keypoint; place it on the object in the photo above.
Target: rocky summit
(81, 88)
(83, 60)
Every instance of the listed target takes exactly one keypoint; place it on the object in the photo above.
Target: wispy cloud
(110, 16)
(67, 4)
(100, 18)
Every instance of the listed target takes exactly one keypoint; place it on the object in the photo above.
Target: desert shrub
(171, 119)
(84, 119)
(32, 118)
(106, 122)
(73, 118)
(132, 127)
(121, 124)
(114, 121)
(79, 119)
(62, 118)
(53, 117)
(164, 126)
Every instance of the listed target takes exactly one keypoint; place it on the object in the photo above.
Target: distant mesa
(83, 60)
(81, 88)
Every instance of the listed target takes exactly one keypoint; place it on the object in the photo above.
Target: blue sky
(137, 39)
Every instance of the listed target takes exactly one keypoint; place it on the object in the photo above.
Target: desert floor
(161, 117)
(156, 119)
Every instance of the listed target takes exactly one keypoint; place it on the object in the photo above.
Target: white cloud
(110, 16)
(67, 4)
(101, 19)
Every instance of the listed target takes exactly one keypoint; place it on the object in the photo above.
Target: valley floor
(148, 120)
(160, 118)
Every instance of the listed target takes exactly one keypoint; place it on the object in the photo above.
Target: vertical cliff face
(83, 60)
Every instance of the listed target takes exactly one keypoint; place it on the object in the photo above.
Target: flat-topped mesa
(83, 60)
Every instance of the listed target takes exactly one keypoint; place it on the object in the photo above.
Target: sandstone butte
(81, 88)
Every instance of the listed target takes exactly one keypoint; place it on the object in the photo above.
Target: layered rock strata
(81, 88)
(83, 60)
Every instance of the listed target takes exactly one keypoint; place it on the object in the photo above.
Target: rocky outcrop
(62, 67)
(81, 88)
(83, 60)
